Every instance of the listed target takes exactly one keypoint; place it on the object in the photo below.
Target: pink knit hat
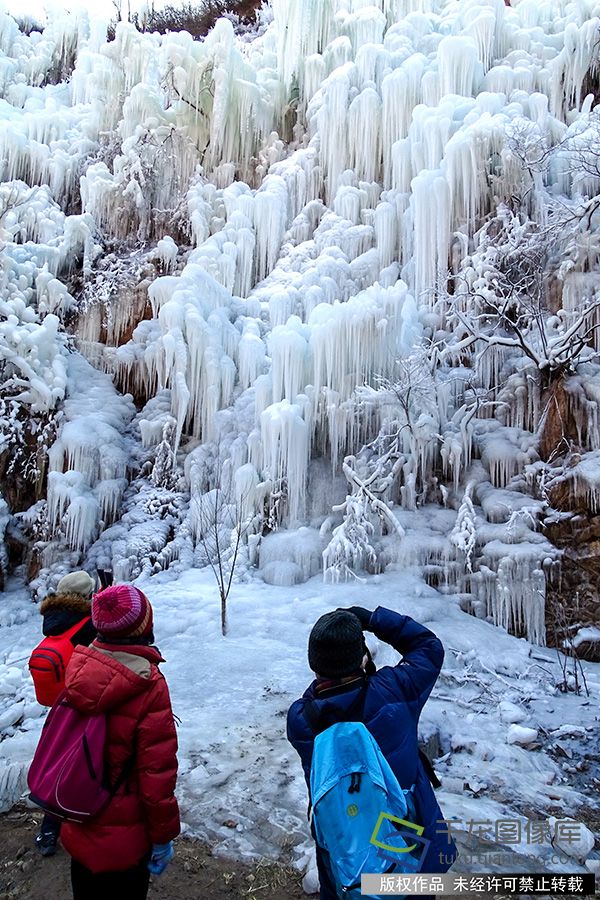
(122, 611)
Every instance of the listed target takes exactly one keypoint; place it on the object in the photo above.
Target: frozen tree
(164, 469)
(396, 463)
(464, 533)
(350, 547)
(500, 299)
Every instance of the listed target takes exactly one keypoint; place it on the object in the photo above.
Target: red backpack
(48, 663)
(67, 776)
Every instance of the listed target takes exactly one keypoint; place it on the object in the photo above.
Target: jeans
(128, 884)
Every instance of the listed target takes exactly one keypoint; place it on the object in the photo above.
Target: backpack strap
(429, 770)
(72, 631)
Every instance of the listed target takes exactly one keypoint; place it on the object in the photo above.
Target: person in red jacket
(114, 854)
(68, 607)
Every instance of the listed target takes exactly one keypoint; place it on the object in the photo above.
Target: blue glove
(161, 856)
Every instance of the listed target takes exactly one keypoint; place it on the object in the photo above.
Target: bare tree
(573, 676)
(222, 525)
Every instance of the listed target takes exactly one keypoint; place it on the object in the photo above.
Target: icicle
(457, 61)
(288, 349)
(286, 445)
(270, 221)
(245, 484)
(166, 252)
(519, 601)
(364, 129)
(430, 204)
(251, 354)
(386, 234)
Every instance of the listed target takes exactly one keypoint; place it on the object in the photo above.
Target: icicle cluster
(88, 462)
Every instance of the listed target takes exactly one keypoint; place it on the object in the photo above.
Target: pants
(326, 882)
(50, 825)
(128, 884)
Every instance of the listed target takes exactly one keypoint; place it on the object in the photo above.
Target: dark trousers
(129, 884)
(327, 889)
(50, 825)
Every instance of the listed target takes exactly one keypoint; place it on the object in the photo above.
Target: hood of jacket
(74, 603)
(62, 611)
(98, 680)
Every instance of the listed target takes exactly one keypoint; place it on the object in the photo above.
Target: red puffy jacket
(126, 684)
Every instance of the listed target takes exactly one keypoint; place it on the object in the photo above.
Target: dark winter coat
(395, 696)
(62, 611)
(126, 684)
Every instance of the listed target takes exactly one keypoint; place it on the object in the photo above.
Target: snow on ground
(240, 782)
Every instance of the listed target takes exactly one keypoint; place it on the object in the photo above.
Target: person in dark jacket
(114, 854)
(70, 604)
(393, 700)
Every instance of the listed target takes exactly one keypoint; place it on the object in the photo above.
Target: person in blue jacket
(393, 699)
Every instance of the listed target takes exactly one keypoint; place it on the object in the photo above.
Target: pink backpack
(67, 776)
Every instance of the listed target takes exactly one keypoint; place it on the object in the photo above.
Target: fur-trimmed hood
(66, 602)
(62, 611)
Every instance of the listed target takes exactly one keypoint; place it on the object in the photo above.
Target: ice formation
(88, 463)
(306, 198)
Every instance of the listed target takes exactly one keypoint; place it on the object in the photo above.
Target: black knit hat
(336, 644)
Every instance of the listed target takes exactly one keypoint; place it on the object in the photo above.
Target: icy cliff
(368, 235)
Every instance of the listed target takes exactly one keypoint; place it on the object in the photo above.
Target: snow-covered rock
(572, 837)
(511, 713)
(518, 734)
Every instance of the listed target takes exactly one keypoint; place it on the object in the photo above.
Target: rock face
(23, 466)
(574, 601)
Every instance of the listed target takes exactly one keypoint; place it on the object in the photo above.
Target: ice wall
(303, 195)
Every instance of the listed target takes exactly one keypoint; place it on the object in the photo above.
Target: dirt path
(193, 875)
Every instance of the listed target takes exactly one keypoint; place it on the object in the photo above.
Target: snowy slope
(240, 783)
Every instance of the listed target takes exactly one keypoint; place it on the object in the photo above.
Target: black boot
(46, 842)
(47, 839)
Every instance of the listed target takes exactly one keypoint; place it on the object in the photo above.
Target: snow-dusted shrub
(464, 533)
(150, 536)
(350, 549)
(196, 19)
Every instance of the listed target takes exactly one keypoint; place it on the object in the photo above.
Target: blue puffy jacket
(395, 696)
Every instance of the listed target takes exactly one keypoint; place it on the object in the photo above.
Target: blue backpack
(362, 818)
